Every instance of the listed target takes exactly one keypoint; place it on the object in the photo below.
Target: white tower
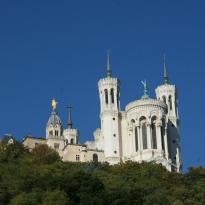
(168, 94)
(54, 129)
(109, 92)
(70, 134)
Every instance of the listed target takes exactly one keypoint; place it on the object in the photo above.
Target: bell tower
(54, 129)
(168, 94)
(109, 92)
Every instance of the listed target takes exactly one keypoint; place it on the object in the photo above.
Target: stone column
(109, 98)
(159, 137)
(115, 97)
(178, 159)
(133, 139)
(130, 133)
(149, 140)
(166, 144)
(140, 143)
(138, 137)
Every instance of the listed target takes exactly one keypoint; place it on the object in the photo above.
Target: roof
(54, 119)
(30, 137)
(146, 102)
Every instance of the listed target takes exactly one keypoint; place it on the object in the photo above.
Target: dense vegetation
(40, 177)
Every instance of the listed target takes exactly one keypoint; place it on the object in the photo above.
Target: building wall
(31, 143)
(168, 94)
(120, 137)
(75, 153)
(71, 151)
(109, 91)
(89, 155)
(71, 136)
(56, 143)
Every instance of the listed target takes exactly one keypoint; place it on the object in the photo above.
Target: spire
(145, 96)
(166, 79)
(108, 65)
(70, 124)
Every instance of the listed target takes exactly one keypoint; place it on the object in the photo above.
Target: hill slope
(42, 178)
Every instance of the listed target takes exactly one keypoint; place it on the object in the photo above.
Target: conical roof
(54, 120)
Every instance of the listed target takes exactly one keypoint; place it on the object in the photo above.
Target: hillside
(42, 178)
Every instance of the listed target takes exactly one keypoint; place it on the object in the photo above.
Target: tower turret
(70, 134)
(54, 129)
(168, 94)
(109, 92)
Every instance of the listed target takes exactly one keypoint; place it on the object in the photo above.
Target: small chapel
(146, 130)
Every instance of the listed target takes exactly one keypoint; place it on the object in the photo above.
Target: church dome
(54, 120)
(148, 102)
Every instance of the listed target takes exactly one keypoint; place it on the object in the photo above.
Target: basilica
(147, 130)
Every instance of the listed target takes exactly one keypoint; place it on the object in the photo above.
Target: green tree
(26, 199)
(44, 154)
(9, 152)
(56, 197)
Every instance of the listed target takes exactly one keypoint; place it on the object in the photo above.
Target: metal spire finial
(166, 79)
(70, 124)
(108, 64)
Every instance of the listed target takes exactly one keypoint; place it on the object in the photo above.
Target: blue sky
(58, 48)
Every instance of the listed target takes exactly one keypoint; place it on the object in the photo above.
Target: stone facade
(31, 142)
(147, 130)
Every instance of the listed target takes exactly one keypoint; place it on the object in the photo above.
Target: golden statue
(54, 104)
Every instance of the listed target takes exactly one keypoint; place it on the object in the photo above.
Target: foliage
(12, 151)
(55, 197)
(44, 154)
(40, 177)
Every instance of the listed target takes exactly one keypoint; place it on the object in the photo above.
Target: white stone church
(147, 130)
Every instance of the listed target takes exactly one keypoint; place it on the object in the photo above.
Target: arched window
(164, 99)
(118, 97)
(112, 95)
(170, 102)
(72, 141)
(143, 131)
(56, 132)
(153, 133)
(163, 133)
(144, 135)
(106, 96)
(132, 120)
(136, 139)
(95, 158)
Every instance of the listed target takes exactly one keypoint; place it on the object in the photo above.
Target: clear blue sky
(57, 49)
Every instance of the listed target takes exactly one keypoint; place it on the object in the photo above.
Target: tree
(45, 154)
(26, 199)
(9, 152)
(56, 197)
(41, 178)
